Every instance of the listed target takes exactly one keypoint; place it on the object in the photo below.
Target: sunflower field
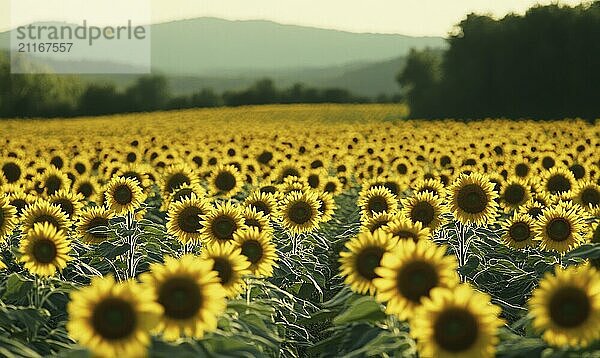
(299, 231)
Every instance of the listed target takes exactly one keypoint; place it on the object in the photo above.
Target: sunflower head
(113, 319)
(93, 225)
(472, 199)
(8, 217)
(363, 256)
(226, 181)
(230, 264)
(45, 250)
(299, 212)
(404, 229)
(566, 306)
(424, 208)
(560, 228)
(377, 200)
(261, 202)
(258, 249)
(408, 274)
(222, 222)
(190, 294)
(184, 218)
(518, 231)
(123, 195)
(44, 212)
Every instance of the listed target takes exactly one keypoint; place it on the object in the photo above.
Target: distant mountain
(216, 47)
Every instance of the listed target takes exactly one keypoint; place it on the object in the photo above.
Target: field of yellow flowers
(299, 231)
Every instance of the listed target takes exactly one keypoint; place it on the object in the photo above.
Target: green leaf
(364, 309)
(17, 288)
(109, 250)
(587, 251)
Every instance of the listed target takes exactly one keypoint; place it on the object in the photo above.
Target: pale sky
(409, 17)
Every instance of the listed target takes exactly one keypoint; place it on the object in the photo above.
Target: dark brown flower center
(569, 307)
(114, 319)
(590, 196)
(189, 219)
(519, 231)
(422, 212)
(53, 184)
(46, 218)
(225, 181)
(558, 183)
(300, 212)
(416, 279)
(12, 172)
(472, 199)
(98, 227)
(86, 189)
(558, 229)
(514, 194)
(253, 250)
(224, 269)
(123, 195)
(455, 330)
(368, 260)
(44, 251)
(180, 297)
(66, 205)
(223, 227)
(377, 204)
(176, 180)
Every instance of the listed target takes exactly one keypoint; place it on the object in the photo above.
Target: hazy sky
(410, 17)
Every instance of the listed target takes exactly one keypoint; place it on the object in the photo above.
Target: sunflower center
(1, 217)
(519, 231)
(182, 194)
(114, 318)
(57, 162)
(514, 194)
(558, 229)
(176, 180)
(224, 227)
(86, 190)
(368, 260)
(402, 169)
(53, 184)
(44, 251)
(224, 270)
(123, 195)
(405, 234)
(548, 162)
(300, 212)
(131, 157)
(265, 157)
(19, 204)
(189, 219)
(569, 307)
(558, 183)
(455, 330)
(416, 279)
(66, 206)
(522, 170)
(377, 204)
(378, 225)
(268, 189)
(180, 297)
(423, 212)
(261, 206)
(289, 172)
(80, 168)
(95, 224)
(45, 218)
(225, 181)
(313, 181)
(252, 249)
(578, 171)
(330, 187)
(472, 199)
(590, 196)
(251, 222)
(12, 172)
(394, 188)
(534, 212)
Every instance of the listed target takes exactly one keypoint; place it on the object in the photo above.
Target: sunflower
(258, 249)
(410, 272)
(88, 187)
(225, 181)
(425, 208)
(222, 222)
(377, 200)
(515, 192)
(113, 319)
(230, 265)
(175, 176)
(254, 218)
(262, 202)
(299, 212)
(93, 224)
(327, 206)
(558, 182)
(456, 322)
(518, 231)
(587, 194)
(559, 228)
(20, 200)
(432, 185)
(70, 203)
(190, 294)
(293, 184)
(13, 170)
(472, 199)
(8, 217)
(377, 221)
(181, 193)
(45, 250)
(402, 228)
(52, 180)
(184, 218)
(333, 186)
(123, 195)
(42, 211)
(364, 255)
(533, 208)
(566, 306)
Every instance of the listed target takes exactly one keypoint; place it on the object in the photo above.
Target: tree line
(544, 64)
(47, 95)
